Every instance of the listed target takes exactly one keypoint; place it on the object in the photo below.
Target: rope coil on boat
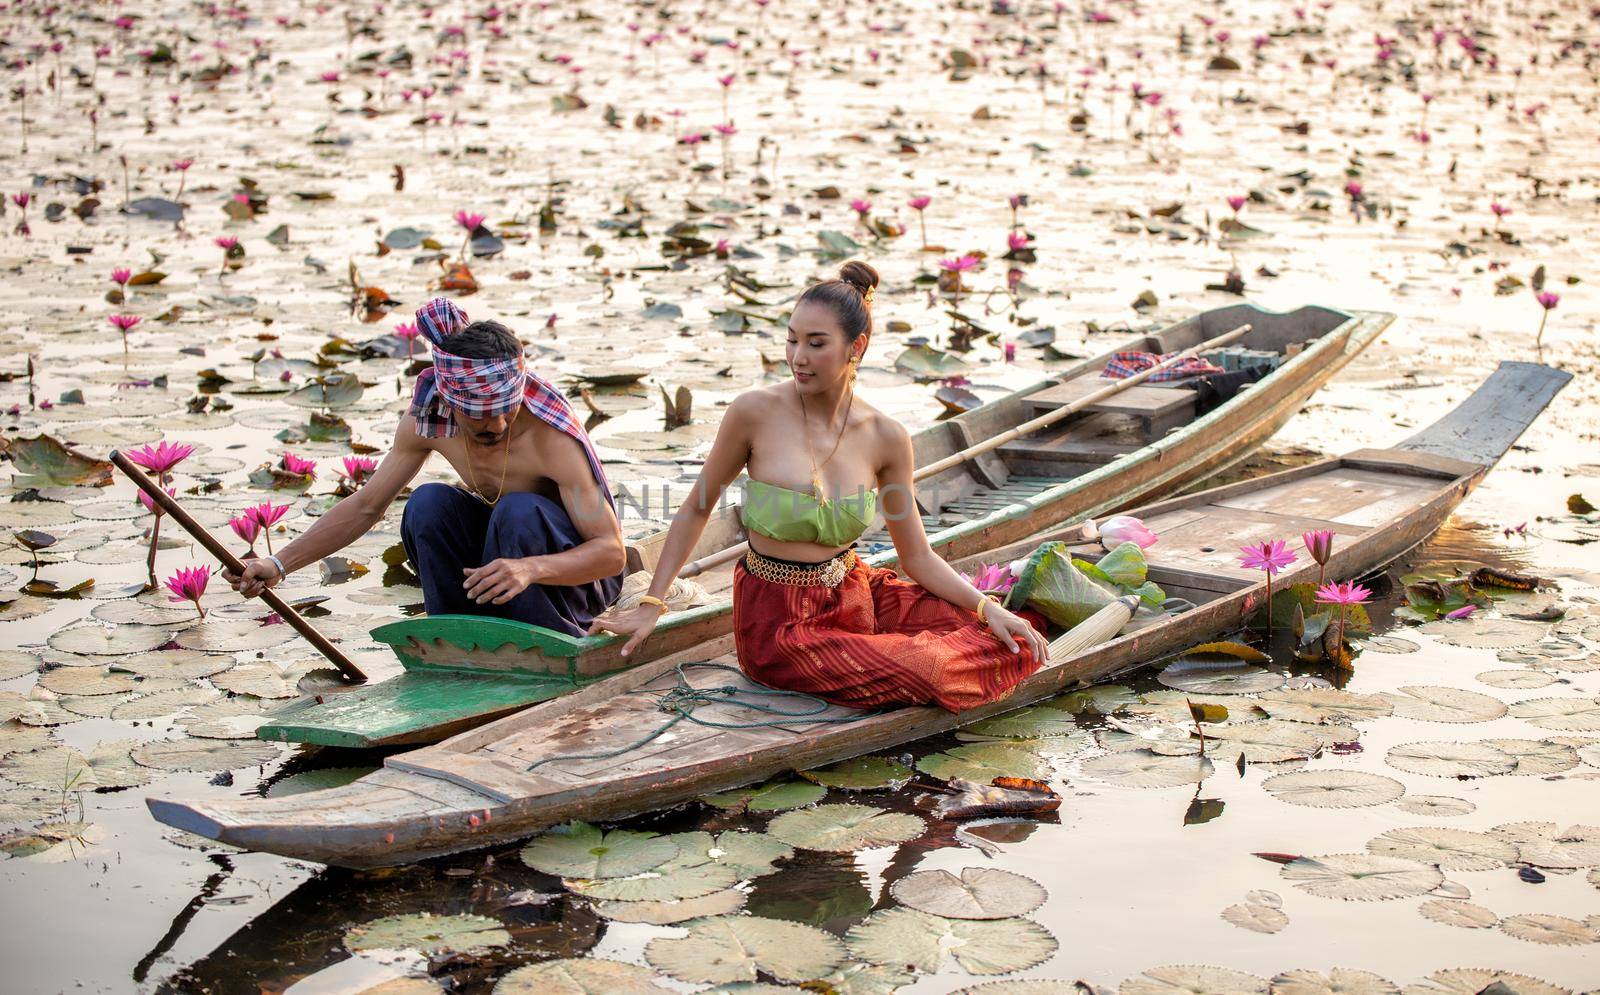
(683, 699)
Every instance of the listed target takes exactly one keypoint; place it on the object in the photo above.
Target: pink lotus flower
(356, 468)
(266, 514)
(861, 207)
(182, 165)
(1319, 543)
(1353, 189)
(1347, 593)
(995, 577)
(226, 243)
(189, 584)
(1547, 300)
(1125, 528)
(22, 200)
(959, 265)
(246, 528)
(469, 221)
(1016, 241)
(123, 322)
(161, 458)
(330, 76)
(1237, 202)
(919, 203)
(151, 506)
(406, 330)
(1269, 556)
(1461, 613)
(725, 130)
(298, 466)
(121, 276)
(1500, 210)
(726, 81)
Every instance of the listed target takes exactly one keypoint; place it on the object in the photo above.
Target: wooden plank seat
(1157, 408)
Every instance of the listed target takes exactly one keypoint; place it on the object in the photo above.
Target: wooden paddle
(696, 567)
(215, 548)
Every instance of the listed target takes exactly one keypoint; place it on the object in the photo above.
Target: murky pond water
(303, 122)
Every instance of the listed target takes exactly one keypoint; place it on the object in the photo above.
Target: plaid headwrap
(1126, 364)
(484, 388)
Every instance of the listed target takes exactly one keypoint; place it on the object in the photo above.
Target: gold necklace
(505, 464)
(816, 471)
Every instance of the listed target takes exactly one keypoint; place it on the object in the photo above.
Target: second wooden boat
(462, 671)
(601, 752)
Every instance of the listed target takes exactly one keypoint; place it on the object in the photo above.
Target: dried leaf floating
(844, 828)
(905, 937)
(730, 949)
(1333, 788)
(1361, 877)
(428, 934)
(579, 850)
(979, 893)
(46, 461)
(581, 976)
(1005, 796)
(1192, 979)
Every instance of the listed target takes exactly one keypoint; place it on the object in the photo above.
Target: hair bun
(860, 276)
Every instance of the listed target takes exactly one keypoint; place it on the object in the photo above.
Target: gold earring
(855, 366)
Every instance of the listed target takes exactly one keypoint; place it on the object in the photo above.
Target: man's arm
(600, 554)
(346, 521)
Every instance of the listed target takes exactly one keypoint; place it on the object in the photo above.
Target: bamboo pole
(201, 535)
(700, 566)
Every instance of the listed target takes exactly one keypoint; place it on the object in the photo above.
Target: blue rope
(683, 699)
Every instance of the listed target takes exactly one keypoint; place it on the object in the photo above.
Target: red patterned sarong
(873, 641)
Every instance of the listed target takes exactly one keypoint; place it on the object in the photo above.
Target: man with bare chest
(530, 534)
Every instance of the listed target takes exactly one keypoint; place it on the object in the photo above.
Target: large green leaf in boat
(579, 850)
(428, 934)
(842, 828)
(922, 941)
(729, 949)
(1053, 583)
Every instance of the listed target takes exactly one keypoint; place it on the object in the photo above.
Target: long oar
(1116, 387)
(203, 537)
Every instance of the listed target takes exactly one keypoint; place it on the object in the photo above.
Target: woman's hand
(259, 574)
(1010, 628)
(637, 623)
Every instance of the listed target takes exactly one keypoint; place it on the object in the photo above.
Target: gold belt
(826, 574)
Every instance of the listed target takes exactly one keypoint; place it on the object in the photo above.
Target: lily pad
(1218, 674)
(729, 949)
(1339, 981)
(1256, 918)
(428, 934)
(87, 681)
(1485, 633)
(1430, 703)
(983, 762)
(1473, 981)
(979, 893)
(860, 774)
(579, 850)
(1447, 848)
(1548, 929)
(1387, 644)
(1333, 788)
(233, 635)
(1445, 759)
(1193, 979)
(581, 976)
(1143, 769)
(1440, 805)
(214, 755)
(1269, 741)
(664, 884)
(1038, 722)
(769, 797)
(1361, 877)
(265, 679)
(16, 663)
(1561, 714)
(1520, 680)
(108, 765)
(718, 903)
(748, 855)
(1544, 844)
(1536, 756)
(1451, 912)
(102, 640)
(844, 828)
(159, 704)
(1324, 705)
(922, 942)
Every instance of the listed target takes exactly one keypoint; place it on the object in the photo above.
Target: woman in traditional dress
(808, 615)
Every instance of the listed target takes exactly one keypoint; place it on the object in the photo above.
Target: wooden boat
(462, 671)
(477, 789)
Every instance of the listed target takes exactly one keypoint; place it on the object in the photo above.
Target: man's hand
(498, 581)
(259, 574)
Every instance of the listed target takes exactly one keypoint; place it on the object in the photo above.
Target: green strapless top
(794, 516)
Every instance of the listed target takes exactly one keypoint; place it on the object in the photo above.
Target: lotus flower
(959, 265)
(356, 468)
(161, 458)
(469, 221)
(123, 322)
(189, 584)
(1272, 557)
(1319, 543)
(150, 502)
(1548, 302)
(1344, 595)
(861, 207)
(266, 515)
(246, 528)
(993, 577)
(1237, 202)
(298, 466)
(121, 275)
(1126, 528)
(919, 203)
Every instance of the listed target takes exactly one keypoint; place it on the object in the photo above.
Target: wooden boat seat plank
(1142, 401)
(1343, 495)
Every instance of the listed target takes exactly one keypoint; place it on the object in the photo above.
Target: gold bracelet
(650, 600)
(983, 603)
